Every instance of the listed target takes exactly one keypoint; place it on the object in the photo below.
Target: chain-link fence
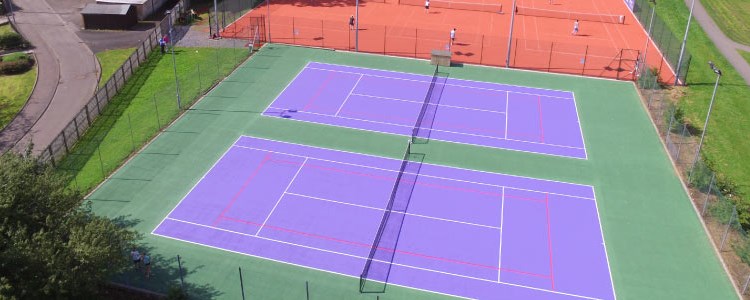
(664, 38)
(716, 205)
(227, 12)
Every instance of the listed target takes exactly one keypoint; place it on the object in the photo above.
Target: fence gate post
(708, 195)
(744, 287)
(726, 231)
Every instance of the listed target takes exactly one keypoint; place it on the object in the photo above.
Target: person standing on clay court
(351, 23)
(575, 28)
(427, 6)
(453, 36)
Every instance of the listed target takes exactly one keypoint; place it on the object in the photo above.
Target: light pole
(510, 36)
(682, 49)
(216, 17)
(174, 64)
(708, 115)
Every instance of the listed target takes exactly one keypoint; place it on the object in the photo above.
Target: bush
(14, 57)
(17, 66)
(11, 41)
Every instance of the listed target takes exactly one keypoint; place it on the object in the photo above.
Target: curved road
(726, 46)
(68, 73)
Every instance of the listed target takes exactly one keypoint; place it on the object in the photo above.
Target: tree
(51, 244)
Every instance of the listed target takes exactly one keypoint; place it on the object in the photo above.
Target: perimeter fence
(119, 118)
(547, 56)
(664, 38)
(714, 202)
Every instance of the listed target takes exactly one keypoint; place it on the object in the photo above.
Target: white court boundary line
(459, 79)
(428, 164)
(353, 256)
(420, 174)
(500, 249)
(347, 96)
(604, 245)
(432, 129)
(396, 212)
(580, 127)
(430, 104)
(446, 84)
(386, 158)
(281, 197)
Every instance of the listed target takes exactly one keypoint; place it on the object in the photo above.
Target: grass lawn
(746, 55)
(732, 16)
(110, 61)
(6, 29)
(146, 104)
(727, 147)
(14, 91)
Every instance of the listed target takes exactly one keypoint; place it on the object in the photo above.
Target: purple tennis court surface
(469, 112)
(466, 233)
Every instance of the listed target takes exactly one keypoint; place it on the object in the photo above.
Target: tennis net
(423, 126)
(571, 15)
(377, 268)
(472, 6)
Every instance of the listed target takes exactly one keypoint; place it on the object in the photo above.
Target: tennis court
(434, 107)
(466, 233)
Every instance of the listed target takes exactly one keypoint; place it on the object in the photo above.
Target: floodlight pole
(708, 115)
(684, 42)
(174, 64)
(356, 26)
(510, 36)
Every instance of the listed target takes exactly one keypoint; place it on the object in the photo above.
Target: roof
(136, 2)
(105, 9)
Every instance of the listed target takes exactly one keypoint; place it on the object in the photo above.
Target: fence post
(88, 116)
(481, 50)
(99, 109)
(75, 123)
(294, 33)
(585, 58)
(322, 34)
(416, 41)
(708, 194)
(51, 154)
(65, 141)
(729, 225)
(242, 285)
(307, 289)
(179, 269)
(156, 109)
(744, 286)
(385, 34)
(549, 61)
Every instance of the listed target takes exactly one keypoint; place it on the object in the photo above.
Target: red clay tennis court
(608, 44)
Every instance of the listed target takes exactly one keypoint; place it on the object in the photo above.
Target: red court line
(549, 243)
(364, 245)
(266, 159)
(541, 125)
(318, 92)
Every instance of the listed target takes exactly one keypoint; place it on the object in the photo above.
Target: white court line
(430, 104)
(448, 84)
(433, 129)
(197, 182)
(456, 79)
(604, 246)
(397, 212)
(507, 104)
(580, 127)
(436, 165)
(280, 197)
(420, 174)
(349, 95)
(500, 250)
(358, 257)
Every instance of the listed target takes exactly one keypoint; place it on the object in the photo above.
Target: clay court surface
(602, 48)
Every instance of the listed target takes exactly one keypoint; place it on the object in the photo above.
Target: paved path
(67, 77)
(726, 46)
